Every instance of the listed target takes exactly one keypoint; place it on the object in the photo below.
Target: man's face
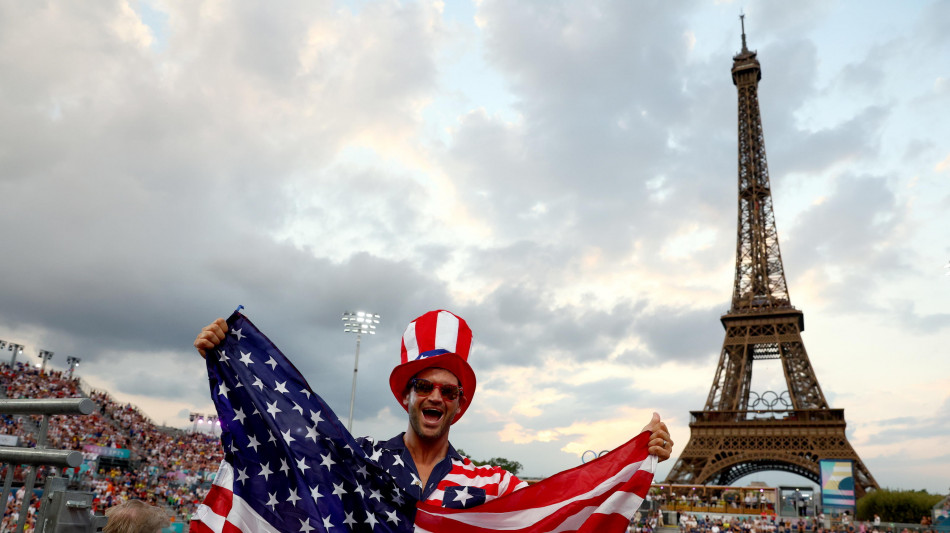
(431, 416)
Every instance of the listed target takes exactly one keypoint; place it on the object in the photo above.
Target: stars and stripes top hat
(437, 339)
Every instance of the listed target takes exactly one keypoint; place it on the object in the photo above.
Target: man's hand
(661, 445)
(212, 335)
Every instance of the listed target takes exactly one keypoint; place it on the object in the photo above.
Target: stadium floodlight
(359, 322)
(197, 418)
(73, 362)
(45, 355)
(15, 348)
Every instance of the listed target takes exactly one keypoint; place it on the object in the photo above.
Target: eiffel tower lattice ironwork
(741, 431)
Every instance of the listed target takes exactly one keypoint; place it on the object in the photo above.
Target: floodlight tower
(13, 347)
(45, 355)
(73, 362)
(359, 323)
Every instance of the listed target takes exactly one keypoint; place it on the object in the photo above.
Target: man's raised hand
(211, 336)
(661, 445)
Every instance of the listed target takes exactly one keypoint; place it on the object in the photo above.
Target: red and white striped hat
(437, 339)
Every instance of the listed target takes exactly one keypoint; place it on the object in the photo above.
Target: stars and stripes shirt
(455, 482)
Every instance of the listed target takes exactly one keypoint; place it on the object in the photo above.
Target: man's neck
(425, 453)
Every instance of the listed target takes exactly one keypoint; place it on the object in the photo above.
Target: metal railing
(59, 508)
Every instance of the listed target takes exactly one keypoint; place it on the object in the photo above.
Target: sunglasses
(424, 387)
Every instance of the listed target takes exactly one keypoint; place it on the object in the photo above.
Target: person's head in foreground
(135, 516)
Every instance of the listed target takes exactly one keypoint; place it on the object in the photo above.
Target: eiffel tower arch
(741, 431)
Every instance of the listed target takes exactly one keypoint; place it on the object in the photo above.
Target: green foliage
(903, 506)
(512, 466)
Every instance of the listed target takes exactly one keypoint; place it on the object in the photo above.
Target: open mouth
(432, 415)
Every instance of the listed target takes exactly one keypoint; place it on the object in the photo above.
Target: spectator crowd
(168, 467)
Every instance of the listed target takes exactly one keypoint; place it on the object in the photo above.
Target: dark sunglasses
(424, 387)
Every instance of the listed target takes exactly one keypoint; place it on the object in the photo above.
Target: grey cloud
(855, 227)
(682, 335)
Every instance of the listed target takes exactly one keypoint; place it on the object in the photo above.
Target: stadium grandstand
(126, 455)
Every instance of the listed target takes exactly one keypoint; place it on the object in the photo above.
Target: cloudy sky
(561, 174)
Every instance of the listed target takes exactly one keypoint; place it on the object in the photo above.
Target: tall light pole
(13, 347)
(73, 362)
(45, 355)
(359, 323)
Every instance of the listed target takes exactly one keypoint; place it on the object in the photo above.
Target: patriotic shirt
(456, 482)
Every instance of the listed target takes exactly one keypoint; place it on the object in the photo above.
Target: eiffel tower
(741, 431)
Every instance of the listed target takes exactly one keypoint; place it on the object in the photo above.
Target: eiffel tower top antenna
(742, 21)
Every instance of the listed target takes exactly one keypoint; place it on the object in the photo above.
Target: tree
(902, 506)
(512, 466)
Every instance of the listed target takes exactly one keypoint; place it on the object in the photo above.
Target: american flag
(290, 465)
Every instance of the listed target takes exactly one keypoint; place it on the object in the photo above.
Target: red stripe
(231, 528)
(219, 499)
(464, 343)
(425, 334)
(599, 523)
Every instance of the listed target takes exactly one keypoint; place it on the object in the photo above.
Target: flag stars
(463, 496)
(281, 387)
(246, 359)
(287, 438)
(237, 333)
(302, 465)
(312, 433)
(397, 461)
(371, 520)
(338, 490)
(272, 363)
(327, 462)
(242, 475)
(273, 409)
(293, 498)
(391, 517)
(223, 357)
(326, 523)
(297, 408)
(305, 526)
(239, 415)
(223, 390)
(375, 495)
(315, 494)
(258, 383)
(315, 417)
(265, 472)
(284, 467)
(271, 500)
(253, 444)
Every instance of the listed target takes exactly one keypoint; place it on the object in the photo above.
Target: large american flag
(291, 466)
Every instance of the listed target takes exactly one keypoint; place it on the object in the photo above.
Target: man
(135, 516)
(435, 384)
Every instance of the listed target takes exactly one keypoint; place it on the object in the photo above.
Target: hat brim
(401, 375)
